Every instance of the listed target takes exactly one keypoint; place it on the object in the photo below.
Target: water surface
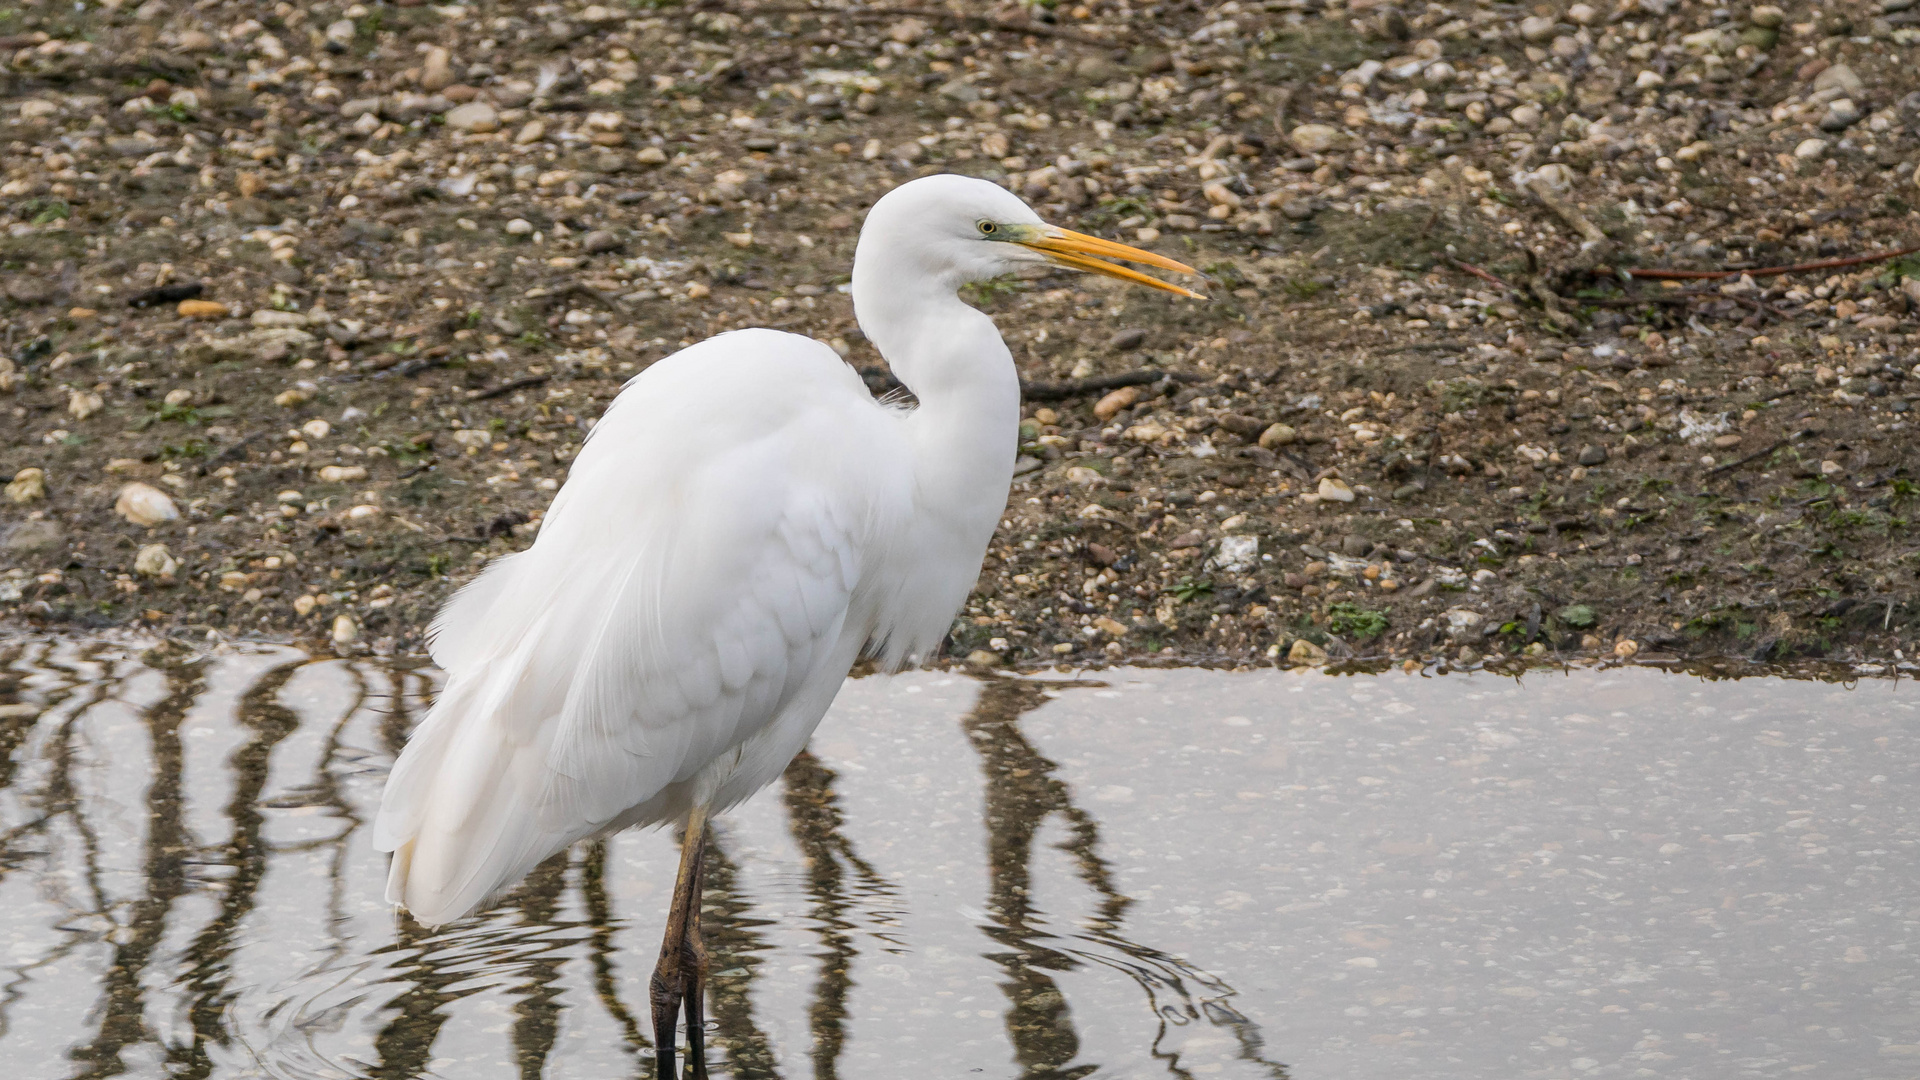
(1180, 873)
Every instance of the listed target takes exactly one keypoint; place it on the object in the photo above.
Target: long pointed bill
(1079, 251)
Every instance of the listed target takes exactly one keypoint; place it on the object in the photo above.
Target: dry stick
(1755, 456)
(1767, 271)
(1588, 231)
(980, 22)
(506, 388)
(1479, 273)
(1044, 391)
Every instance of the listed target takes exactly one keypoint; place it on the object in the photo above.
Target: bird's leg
(694, 956)
(678, 969)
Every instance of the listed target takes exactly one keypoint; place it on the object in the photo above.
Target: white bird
(742, 523)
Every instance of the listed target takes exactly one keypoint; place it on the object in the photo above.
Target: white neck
(965, 433)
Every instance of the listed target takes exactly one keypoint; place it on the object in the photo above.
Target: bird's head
(960, 230)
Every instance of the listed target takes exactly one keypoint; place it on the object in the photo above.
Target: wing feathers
(685, 587)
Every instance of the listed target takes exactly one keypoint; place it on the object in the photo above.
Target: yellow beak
(1078, 251)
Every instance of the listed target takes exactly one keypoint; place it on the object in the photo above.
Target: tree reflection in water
(199, 965)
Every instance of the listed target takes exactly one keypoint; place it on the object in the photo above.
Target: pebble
(341, 474)
(202, 309)
(599, 241)
(345, 630)
(1314, 138)
(1116, 400)
(36, 534)
(155, 561)
(1333, 489)
(1127, 340)
(436, 72)
(1306, 652)
(519, 227)
(1277, 435)
(1592, 455)
(27, 485)
(145, 505)
(475, 116)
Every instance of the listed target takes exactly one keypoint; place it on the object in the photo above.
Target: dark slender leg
(677, 977)
(695, 959)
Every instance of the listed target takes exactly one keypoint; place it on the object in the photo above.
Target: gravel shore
(1549, 332)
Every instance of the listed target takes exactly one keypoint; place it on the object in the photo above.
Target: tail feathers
(461, 812)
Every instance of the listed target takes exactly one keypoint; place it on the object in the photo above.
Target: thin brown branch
(1768, 271)
(977, 22)
(506, 388)
(1483, 275)
(1045, 391)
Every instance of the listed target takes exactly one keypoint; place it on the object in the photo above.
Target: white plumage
(742, 522)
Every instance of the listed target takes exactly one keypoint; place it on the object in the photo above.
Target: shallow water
(1187, 873)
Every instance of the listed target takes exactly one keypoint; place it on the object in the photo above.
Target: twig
(506, 388)
(1767, 271)
(1043, 391)
(1588, 231)
(1479, 273)
(1433, 346)
(1753, 457)
(981, 22)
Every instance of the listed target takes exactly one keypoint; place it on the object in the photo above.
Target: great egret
(744, 520)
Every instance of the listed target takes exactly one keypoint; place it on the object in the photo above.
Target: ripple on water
(1186, 872)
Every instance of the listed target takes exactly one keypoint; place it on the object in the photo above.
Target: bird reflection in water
(167, 963)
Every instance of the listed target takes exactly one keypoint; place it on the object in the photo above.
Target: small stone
(436, 73)
(1625, 648)
(475, 116)
(1467, 655)
(651, 155)
(984, 659)
(339, 35)
(1127, 340)
(145, 505)
(1277, 435)
(1726, 442)
(1592, 455)
(599, 241)
(202, 309)
(1537, 29)
(1838, 77)
(1582, 15)
(154, 560)
(303, 605)
(1113, 402)
(345, 630)
(341, 474)
(27, 485)
(1298, 209)
(1767, 15)
(36, 535)
(1333, 489)
(1810, 149)
(316, 429)
(84, 403)
(1314, 138)
(196, 41)
(28, 291)
(1111, 627)
(907, 31)
(519, 227)
(1306, 652)
(1841, 115)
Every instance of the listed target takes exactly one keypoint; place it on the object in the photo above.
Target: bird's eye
(988, 228)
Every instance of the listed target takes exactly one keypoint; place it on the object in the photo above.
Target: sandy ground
(303, 316)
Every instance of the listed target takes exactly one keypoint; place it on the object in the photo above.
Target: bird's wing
(692, 575)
